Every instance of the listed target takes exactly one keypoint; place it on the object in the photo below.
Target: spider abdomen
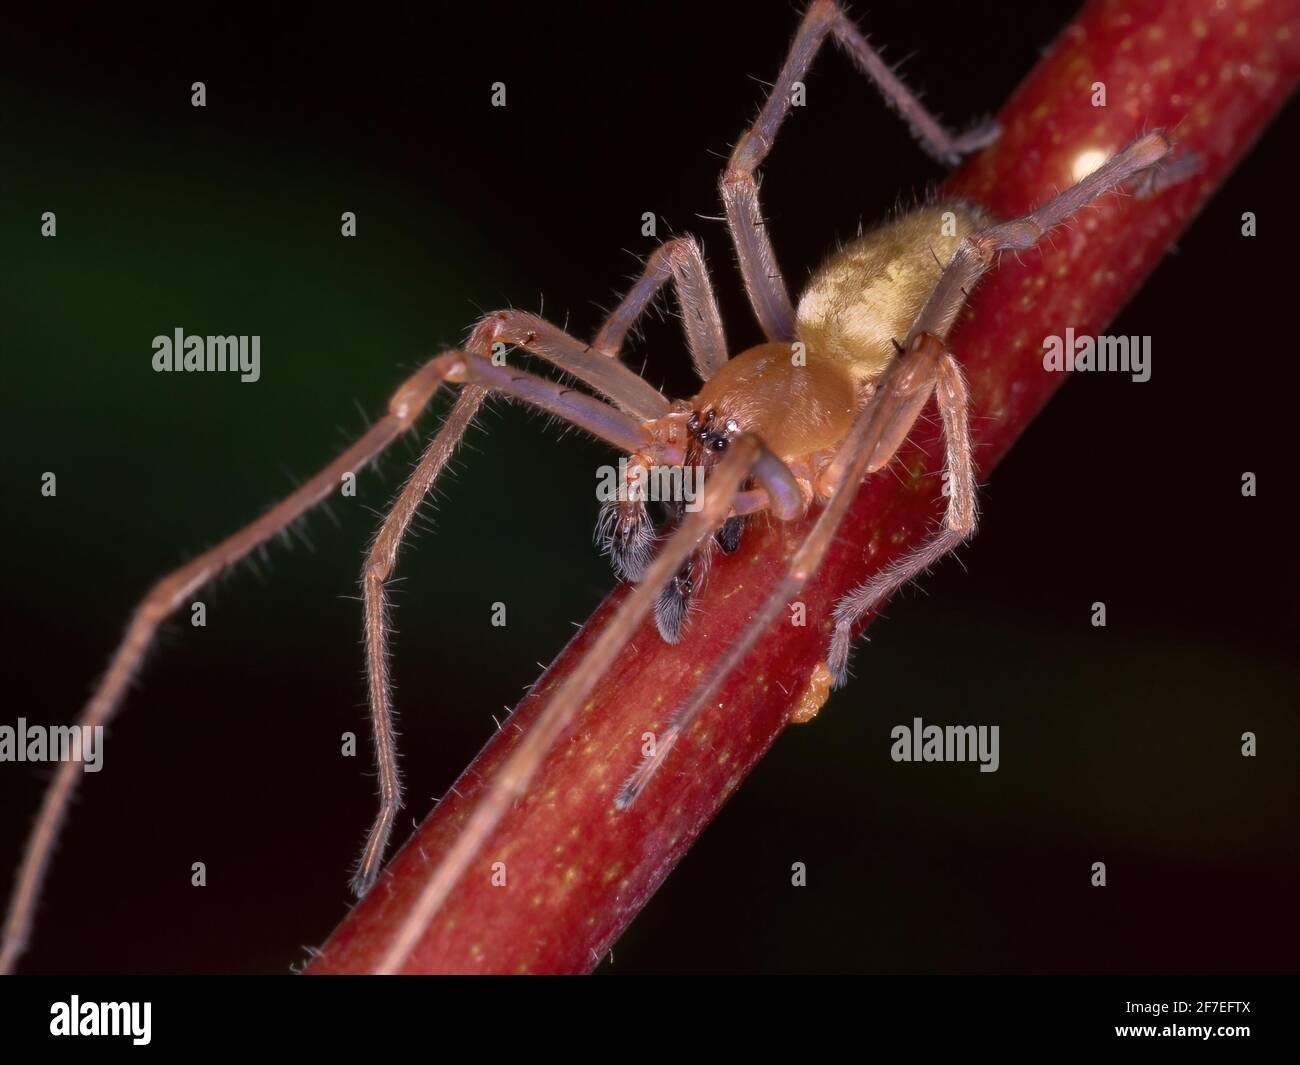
(864, 299)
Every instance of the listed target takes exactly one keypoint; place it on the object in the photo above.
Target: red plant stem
(577, 872)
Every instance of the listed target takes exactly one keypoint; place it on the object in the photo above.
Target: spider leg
(958, 524)
(909, 377)
(763, 279)
(978, 252)
(681, 260)
(161, 601)
(746, 457)
(480, 375)
(628, 390)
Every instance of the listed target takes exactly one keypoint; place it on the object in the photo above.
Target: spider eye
(719, 443)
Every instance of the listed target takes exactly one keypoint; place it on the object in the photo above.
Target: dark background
(1119, 744)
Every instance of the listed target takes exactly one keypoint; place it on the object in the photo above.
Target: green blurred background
(1118, 745)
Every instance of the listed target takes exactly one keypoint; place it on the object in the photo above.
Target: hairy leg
(535, 335)
(481, 376)
(681, 260)
(763, 280)
(162, 600)
(978, 252)
(380, 560)
(958, 523)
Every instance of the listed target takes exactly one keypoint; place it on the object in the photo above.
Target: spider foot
(627, 536)
(1166, 173)
(837, 657)
(980, 135)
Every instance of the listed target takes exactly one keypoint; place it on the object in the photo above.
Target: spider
(792, 424)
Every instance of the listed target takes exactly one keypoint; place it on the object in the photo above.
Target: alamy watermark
(1086, 354)
(191, 354)
(133, 1020)
(53, 743)
(919, 742)
(633, 483)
